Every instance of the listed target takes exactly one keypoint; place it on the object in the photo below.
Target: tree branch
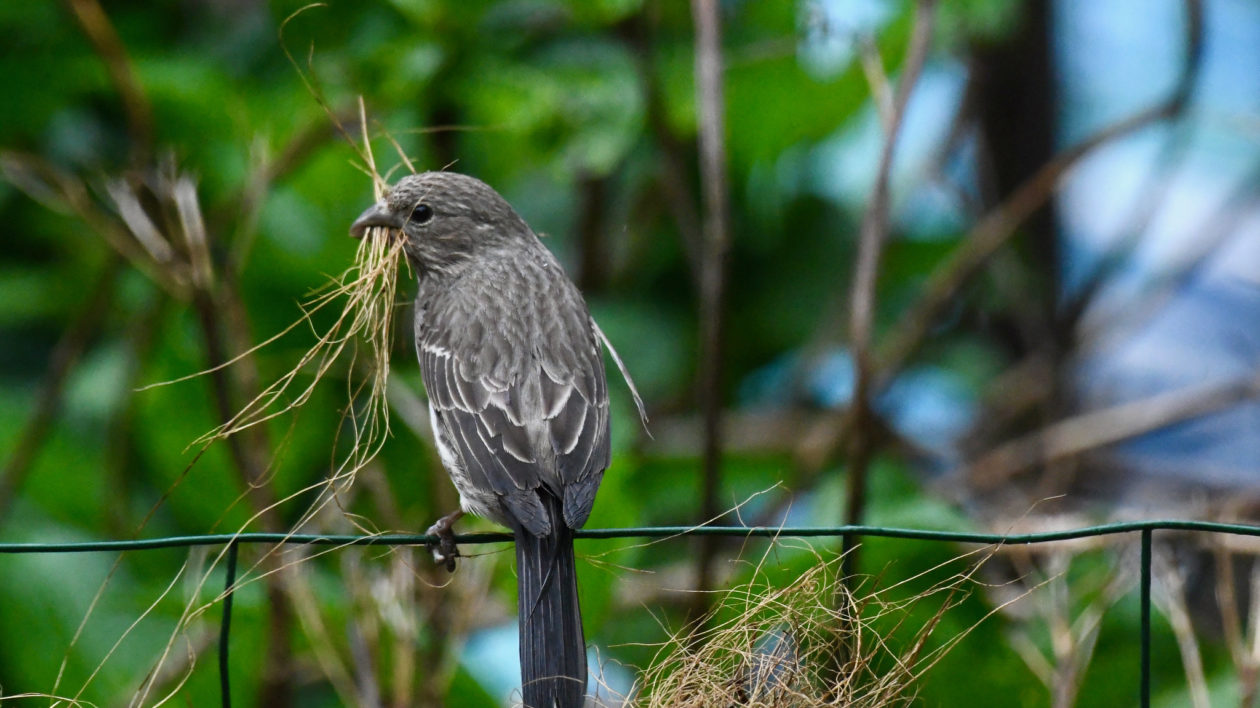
(1095, 429)
(873, 234)
(715, 245)
(992, 232)
(105, 41)
(65, 354)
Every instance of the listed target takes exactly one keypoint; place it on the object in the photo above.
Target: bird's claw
(444, 550)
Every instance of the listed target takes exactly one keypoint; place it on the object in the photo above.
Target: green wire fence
(1145, 529)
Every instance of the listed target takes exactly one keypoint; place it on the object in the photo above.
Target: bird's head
(445, 218)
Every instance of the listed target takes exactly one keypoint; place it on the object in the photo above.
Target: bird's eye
(421, 214)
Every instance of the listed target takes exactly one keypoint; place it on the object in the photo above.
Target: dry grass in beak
(368, 287)
(364, 332)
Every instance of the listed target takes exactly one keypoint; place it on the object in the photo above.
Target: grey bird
(518, 399)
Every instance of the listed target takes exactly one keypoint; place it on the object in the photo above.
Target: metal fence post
(225, 628)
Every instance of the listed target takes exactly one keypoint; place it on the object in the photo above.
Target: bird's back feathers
(514, 372)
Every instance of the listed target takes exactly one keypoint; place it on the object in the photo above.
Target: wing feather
(555, 394)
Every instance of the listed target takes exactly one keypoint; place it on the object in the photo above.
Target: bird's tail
(553, 649)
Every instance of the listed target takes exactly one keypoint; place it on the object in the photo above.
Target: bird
(512, 364)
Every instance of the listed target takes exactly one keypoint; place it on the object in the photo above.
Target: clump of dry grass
(812, 641)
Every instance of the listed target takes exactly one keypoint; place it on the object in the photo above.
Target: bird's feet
(444, 550)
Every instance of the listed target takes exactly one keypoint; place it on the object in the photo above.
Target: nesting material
(815, 641)
(367, 289)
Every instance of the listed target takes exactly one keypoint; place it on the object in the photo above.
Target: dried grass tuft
(812, 641)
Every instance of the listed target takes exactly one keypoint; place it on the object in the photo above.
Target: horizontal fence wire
(1146, 530)
(646, 532)
(639, 532)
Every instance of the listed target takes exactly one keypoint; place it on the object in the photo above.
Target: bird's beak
(376, 215)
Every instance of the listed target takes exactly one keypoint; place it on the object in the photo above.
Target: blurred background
(965, 265)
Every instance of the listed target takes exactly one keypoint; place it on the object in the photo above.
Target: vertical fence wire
(225, 628)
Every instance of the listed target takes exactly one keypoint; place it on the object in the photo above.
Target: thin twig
(877, 79)
(105, 41)
(251, 197)
(999, 224)
(1115, 324)
(67, 194)
(1159, 181)
(716, 243)
(61, 361)
(990, 234)
(874, 232)
(673, 173)
(1171, 597)
(1095, 429)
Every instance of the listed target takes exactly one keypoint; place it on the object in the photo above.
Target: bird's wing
(519, 387)
(577, 418)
